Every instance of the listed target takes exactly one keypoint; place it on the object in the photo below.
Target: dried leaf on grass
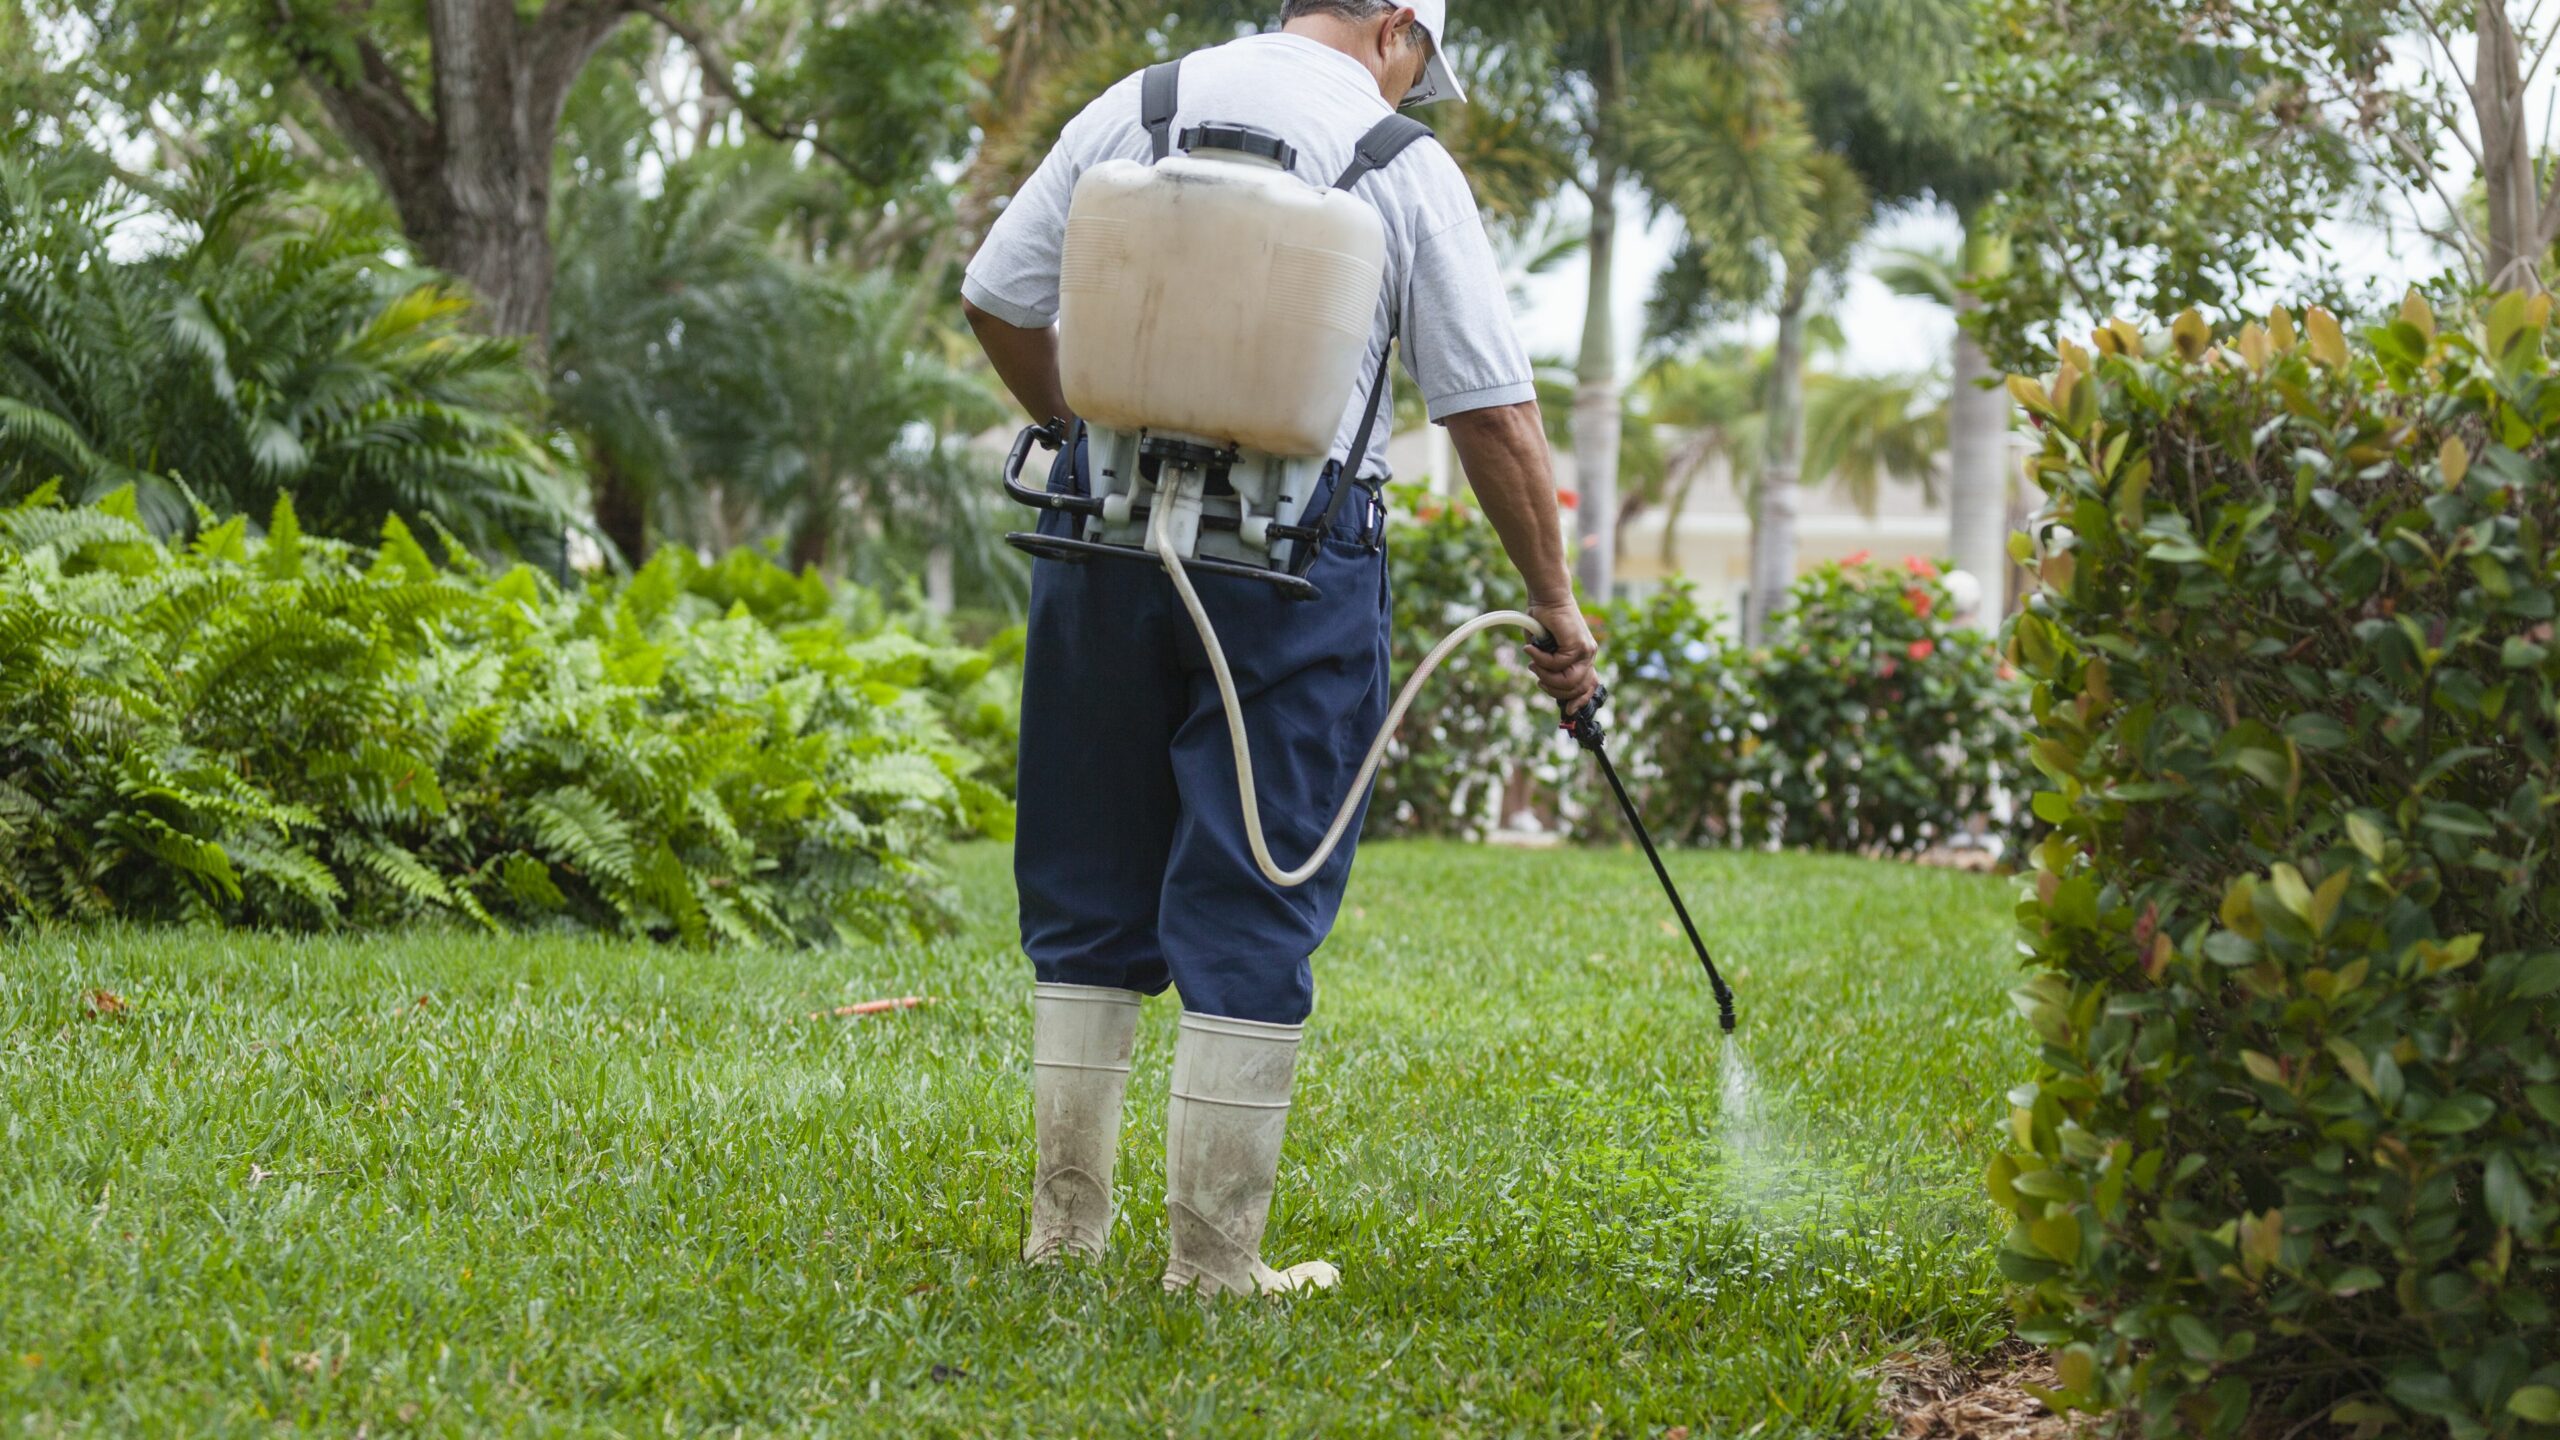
(873, 1007)
(105, 1005)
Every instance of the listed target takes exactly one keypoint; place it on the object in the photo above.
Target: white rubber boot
(1223, 1128)
(1081, 1037)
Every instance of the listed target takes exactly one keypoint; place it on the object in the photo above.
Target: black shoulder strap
(1379, 148)
(1158, 101)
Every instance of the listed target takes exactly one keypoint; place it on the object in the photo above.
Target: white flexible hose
(1160, 537)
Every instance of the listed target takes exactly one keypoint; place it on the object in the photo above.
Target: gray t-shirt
(1442, 281)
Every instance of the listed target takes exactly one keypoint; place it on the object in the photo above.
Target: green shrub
(1882, 728)
(2293, 1149)
(1480, 719)
(1868, 723)
(294, 731)
(1684, 727)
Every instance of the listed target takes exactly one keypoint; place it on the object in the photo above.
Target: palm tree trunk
(812, 540)
(1773, 526)
(1978, 443)
(622, 513)
(1597, 400)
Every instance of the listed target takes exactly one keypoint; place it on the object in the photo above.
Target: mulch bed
(1932, 1396)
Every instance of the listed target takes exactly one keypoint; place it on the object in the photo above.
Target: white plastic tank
(1218, 297)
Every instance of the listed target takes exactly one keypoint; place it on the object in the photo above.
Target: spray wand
(1587, 731)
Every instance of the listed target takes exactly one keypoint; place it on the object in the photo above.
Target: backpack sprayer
(1214, 311)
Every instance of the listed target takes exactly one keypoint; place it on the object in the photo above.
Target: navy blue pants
(1130, 852)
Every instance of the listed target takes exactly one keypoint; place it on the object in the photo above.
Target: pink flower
(1923, 649)
(1861, 558)
(1920, 567)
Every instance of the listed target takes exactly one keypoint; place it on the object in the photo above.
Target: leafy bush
(1869, 723)
(275, 346)
(1451, 766)
(294, 731)
(1685, 728)
(2294, 1147)
(1882, 728)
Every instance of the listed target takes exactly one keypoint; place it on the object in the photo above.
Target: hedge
(2292, 1150)
(1869, 723)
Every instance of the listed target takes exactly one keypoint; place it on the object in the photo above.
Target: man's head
(1399, 42)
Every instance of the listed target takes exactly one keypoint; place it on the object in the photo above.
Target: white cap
(1439, 82)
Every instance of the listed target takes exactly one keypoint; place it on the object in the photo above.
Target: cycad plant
(256, 344)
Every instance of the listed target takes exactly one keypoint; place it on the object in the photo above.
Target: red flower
(1569, 499)
(1861, 558)
(1922, 603)
(1428, 513)
(1921, 568)
(1888, 669)
(1923, 649)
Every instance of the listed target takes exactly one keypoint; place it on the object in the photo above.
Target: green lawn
(445, 1184)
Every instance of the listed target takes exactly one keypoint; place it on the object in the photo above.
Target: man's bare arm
(1027, 362)
(1505, 454)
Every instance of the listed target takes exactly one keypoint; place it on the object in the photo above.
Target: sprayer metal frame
(1174, 456)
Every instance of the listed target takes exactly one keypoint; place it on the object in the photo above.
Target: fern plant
(292, 730)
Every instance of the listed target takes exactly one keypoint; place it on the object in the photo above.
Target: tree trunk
(1773, 526)
(622, 513)
(1597, 403)
(941, 593)
(1978, 446)
(471, 180)
(2506, 155)
(813, 539)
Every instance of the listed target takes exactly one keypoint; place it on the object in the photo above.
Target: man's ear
(1398, 33)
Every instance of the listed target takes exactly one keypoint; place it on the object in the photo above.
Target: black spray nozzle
(1584, 726)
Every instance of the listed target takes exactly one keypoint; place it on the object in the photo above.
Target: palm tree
(1860, 83)
(1978, 472)
(1860, 430)
(852, 437)
(1913, 144)
(1603, 68)
(655, 316)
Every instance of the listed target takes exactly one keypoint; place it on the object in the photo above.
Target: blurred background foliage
(710, 248)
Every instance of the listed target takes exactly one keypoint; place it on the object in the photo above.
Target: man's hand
(1566, 673)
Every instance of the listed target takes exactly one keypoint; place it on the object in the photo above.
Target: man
(1131, 857)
